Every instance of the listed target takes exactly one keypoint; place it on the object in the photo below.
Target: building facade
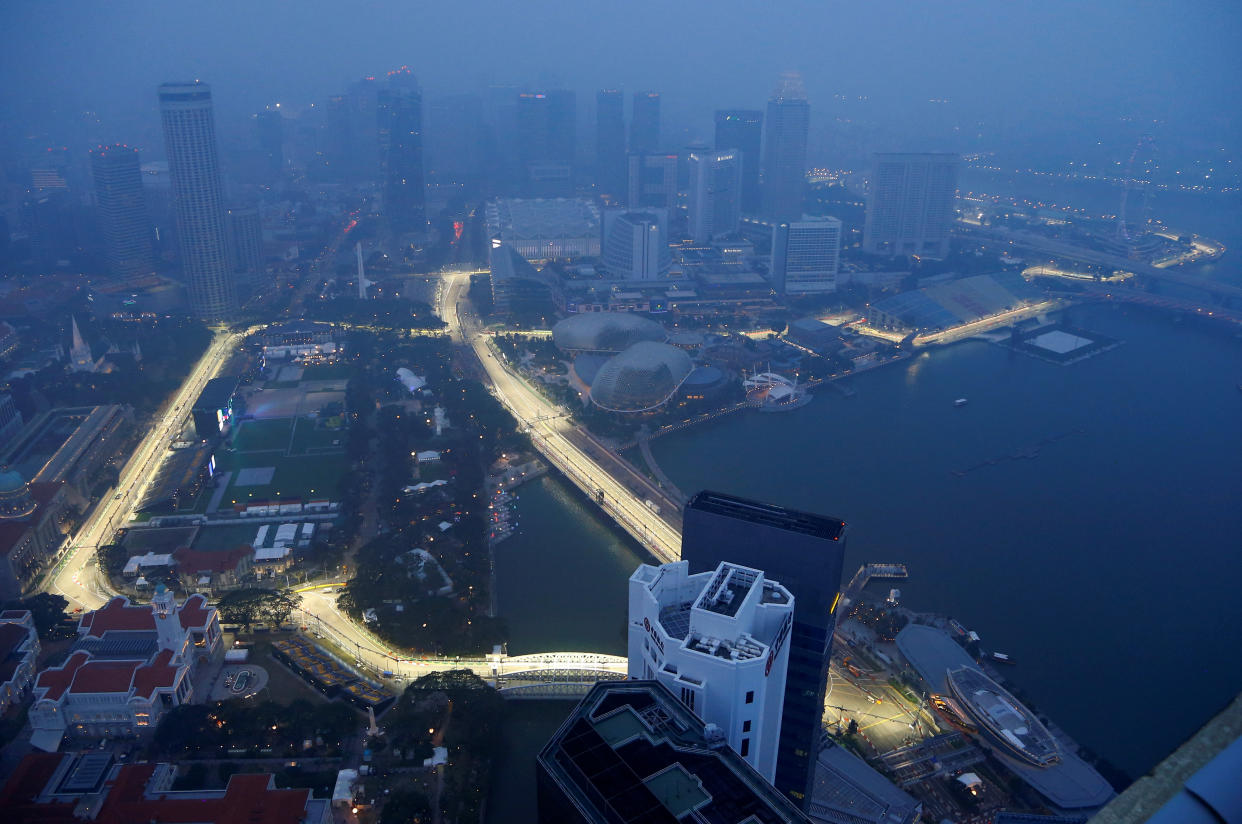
(130, 665)
(198, 198)
(806, 552)
(19, 654)
(611, 170)
(653, 181)
(784, 151)
(645, 123)
(715, 206)
(30, 533)
(635, 244)
(912, 204)
(806, 255)
(742, 130)
(400, 112)
(122, 208)
(246, 247)
(718, 641)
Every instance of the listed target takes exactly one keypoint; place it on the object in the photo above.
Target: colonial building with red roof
(129, 666)
(19, 652)
(30, 517)
(54, 788)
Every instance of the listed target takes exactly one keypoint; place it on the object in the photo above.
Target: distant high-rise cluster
(198, 198)
(645, 124)
(611, 169)
(806, 255)
(911, 208)
(742, 130)
(123, 220)
(715, 206)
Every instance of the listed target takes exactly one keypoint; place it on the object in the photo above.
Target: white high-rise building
(806, 255)
(715, 194)
(198, 198)
(720, 642)
(635, 244)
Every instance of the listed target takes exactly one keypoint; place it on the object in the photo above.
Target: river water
(1106, 566)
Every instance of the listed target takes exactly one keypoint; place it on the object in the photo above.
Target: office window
(750, 696)
(745, 751)
(745, 726)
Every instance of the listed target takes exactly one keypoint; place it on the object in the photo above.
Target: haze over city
(649, 412)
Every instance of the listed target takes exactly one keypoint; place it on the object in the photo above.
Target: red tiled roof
(194, 613)
(104, 676)
(58, 679)
(193, 561)
(160, 673)
(12, 636)
(118, 614)
(27, 782)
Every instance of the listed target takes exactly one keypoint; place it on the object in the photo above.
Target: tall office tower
(611, 171)
(784, 151)
(364, 141)
(806, 255)
(742, 129)
(715, 194)
(454, 140)
(717, 640)
(805, 552)
(246, 247)
(198, 198)
(653, 181)
(269, 132)
(636, 244)
(123, 219)
(910, 210)
(645, 122)
(401, 140)
(547, 138)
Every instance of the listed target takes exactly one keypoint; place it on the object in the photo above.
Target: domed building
(604, 332)
(16, 501)
(641, 379)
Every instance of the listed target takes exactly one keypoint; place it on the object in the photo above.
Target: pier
(864, 575)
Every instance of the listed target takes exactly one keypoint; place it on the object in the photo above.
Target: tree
(48, 612)
(406, 807)
(253, 605)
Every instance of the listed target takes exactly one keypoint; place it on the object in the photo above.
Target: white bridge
(553, 674)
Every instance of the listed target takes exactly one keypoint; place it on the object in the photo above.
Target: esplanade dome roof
(604, 332)
(641, 378)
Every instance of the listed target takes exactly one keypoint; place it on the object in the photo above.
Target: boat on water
(1005, 720)
(1001, 658)
(960, 402)
(774, 392)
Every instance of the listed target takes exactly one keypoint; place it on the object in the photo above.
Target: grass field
(309, 438)
(225, 537)
(302, 476)
(266, 435)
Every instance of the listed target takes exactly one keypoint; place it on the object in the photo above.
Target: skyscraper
(636, 244)
(784, 151)
(610, 165)
(718, 641)
(911, 208)
(645, 122)
(246, 248)
(653, 181)
(806, 553)
(547, 139)
(198, 198)
(715, 194)
(742, 129)
(123, 219)
(806, 255)
(269, 132)
(401, 142)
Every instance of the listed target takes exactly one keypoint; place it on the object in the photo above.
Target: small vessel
(960, 402)
(1001, 658)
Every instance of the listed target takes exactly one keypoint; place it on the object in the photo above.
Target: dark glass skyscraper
(806, 552)
(742, 129)
(401, 145)
(784, 151)
(269, 131)
(645, 123)
(123, 219)
(611, 168)
(198, 198)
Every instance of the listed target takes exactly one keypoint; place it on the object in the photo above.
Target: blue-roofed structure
(953, 303)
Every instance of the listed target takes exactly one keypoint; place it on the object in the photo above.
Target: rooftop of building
(631, 752)
(216, 394)
(528, 219)
(641, 378)
(845, 785)
(120, 615)
(11, 531)
(215, 562)
(772, 515)
(605, 331)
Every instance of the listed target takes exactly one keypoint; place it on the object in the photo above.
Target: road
(76, 575)
(574, 453)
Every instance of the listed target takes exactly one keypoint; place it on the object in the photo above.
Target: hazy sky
(1046, 60)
